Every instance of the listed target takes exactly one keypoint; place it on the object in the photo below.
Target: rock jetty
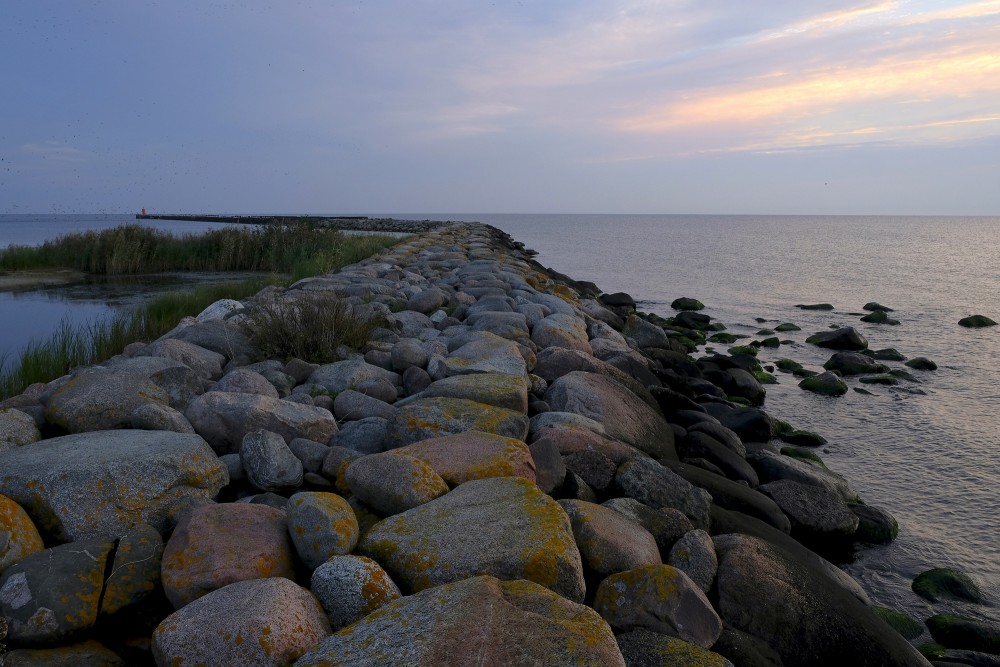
(513, 470)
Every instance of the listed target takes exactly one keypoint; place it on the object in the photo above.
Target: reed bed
(288, 253)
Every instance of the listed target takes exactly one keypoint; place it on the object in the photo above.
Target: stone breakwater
(515, 470)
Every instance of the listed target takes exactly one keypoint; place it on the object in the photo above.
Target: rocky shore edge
(516, 469)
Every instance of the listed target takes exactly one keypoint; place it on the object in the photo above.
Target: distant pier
(246, 219)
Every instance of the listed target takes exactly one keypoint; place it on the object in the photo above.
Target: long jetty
(244, 219)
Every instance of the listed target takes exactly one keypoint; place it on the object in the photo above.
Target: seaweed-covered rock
(825, 384)
(480, 620)
(946, 582)
(503, 526)
(965, 633)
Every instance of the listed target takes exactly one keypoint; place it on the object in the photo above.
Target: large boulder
(100, 484)
(222, 336)
(18, 535)
(608, 541)
(216, 545)
(476, 621)
(817, 514)
(435, 417)
(657, 486)
(261, 622)
(503, 526)
(625, 416)
(98, 399)
(473, 455)
(554, 362)
(206, 363)
(805, 616)
(497, 389)
(559, 330)
(845, 338)
(224, 419)
(966, 633)
(486, 354)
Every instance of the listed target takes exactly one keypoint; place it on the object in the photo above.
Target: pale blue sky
(442, 106)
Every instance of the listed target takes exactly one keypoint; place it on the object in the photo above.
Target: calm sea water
(931, 459)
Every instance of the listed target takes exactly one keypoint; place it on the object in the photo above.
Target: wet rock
(658, 598)
(946, 583)
(694, 555)
(267, 622)
(321, 525)
(100, 484)
(468, 621)
(853, 363)
(816, 513)
(879, 317)
(52, 595)
(922, 364)
(224, 419)
(845, 338)
(687, 303)
(900, 622)
(875, 525)
(435, 417)
(392, 483)
(772, 467)
(608, 541)
(888, 354)
(503, 526)
(814, 306)
(473, 455)
(976, 321)
(216, 545)
(965, 633)
(825, 384)
(750, 424)
(625, 416)
(351, 587)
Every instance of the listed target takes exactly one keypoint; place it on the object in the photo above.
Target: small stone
(269, 464)
(321, 525)
(351, 587)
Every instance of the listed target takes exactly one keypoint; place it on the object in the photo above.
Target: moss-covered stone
(826, 384)
(900, 622)
(787, 326)
(687, 303)
(922, 364)
(946, 582)
(749, 350)
(965, 633)
(723, 338)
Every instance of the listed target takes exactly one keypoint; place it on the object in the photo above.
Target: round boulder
(351, 587)
(321, 525)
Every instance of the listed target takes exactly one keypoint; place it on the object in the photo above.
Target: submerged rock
(827, 384)
(946, 582)
(976, 321)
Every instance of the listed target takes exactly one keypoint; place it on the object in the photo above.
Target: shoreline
(585, 369)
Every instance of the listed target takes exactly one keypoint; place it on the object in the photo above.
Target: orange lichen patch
(21, 536)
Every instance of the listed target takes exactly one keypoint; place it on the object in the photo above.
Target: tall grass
(295, 252)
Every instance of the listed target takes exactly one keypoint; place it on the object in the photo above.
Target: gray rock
(392, 482)
(846, 338)
(694, 555)
(608, 541)
(827, 384)
(875, 525)
(645, 334)
(772, 467)
(596, 469)
(98, 399)
(309, 452)
(480, 620)
(415, 380)
(221, 336)
(406, 353)
(205, 363)
(378, 388)
(652, 484)
(426, 301)
(352, 587)
(16, 429)
(365, 436)
(503, 526)
(699, 444)
(223, 419)
(269, 464)
(435, 417)
(321, 525)
(487, 353)
(550, 471)
(266, 622)
(816, 513)
(666, 525)
(246, 381)
(157, 417)
(352, 405)
(463, 457)
(335, 465)
(561, 330)
(496, 389)
(624, 415)
(341, 375)
(220, 310)
(99, 484)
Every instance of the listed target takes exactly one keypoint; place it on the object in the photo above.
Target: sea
(926, 450)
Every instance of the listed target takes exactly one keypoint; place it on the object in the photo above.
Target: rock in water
(474, 622)
(502, 526)
(976, 321)
(101, 483)
(846, 338)
(687, 303)
(946, 582)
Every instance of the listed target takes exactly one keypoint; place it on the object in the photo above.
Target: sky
(503, 106)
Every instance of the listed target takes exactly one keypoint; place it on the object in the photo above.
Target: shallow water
(931, 460)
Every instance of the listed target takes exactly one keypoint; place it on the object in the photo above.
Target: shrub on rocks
(265, 622)
(216, 545)
(321, 525)
(351, 587)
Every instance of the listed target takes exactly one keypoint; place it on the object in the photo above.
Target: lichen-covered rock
(85, 654)
(435, 417)
(262, 622)
(476, 621)
(473, 455)
(206, 363)
(157, 417)
(268, 462)
(559, 330)
(658, 598)
(341, 375)
(18, 536)
(804, 615)
(644, 648)
(51, 595)
(666, 525)
(135, 572)
(217, 545)
(608, 541)
(694, 555)
(102, 483)
(502, 526)
(16, 429)
(351, 587)
(223, 419)
(393, 483)
(488, 353)
(365, 436)
(497, 389)
(625, 416)
(321, 525)
(652, 484)
(97, 399)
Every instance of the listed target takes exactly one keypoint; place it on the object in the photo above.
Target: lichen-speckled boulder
(486, 354)
(260, 623)
(502, 526)
(223, 419)
(341, 375)
(477, 621)
(436, 417)
(805, 616)
(559, 330)
(652, 484)
(474, 455)
(608, 541)
(496, 389)
(215, 545)
(135, 572)
(321, 525)
(660, 598)
(246, 381)
(625, 416)
(17, 428)
(268, 462)
(18, 535)
(393, 483)
(102, 483)
(53, 594)
(644, 648)
(85, 654)
(351, 587)
(97, 399)
(156, 417)
(666, 525)
(694, 555)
